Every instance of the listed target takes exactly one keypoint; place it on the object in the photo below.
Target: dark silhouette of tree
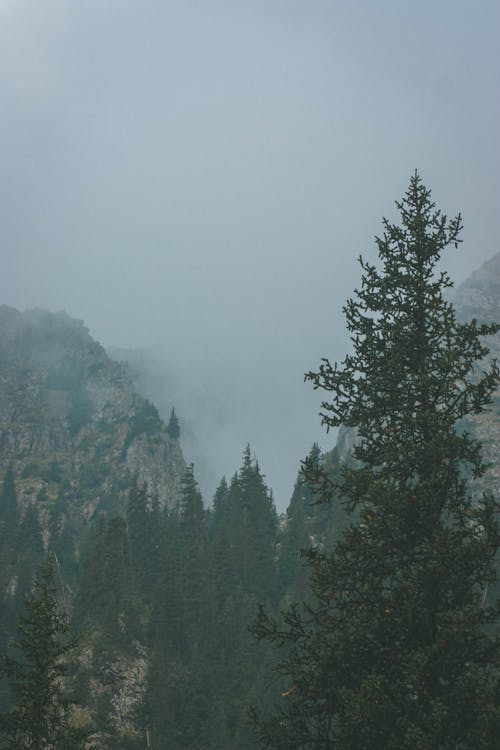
(394, 652)
(41, 714)
(173, 427)
(8, 503)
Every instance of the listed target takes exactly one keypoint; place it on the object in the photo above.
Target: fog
(197, 179)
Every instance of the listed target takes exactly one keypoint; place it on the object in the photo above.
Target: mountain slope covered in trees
(162, 586)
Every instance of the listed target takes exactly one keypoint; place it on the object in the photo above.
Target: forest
(170, 596)
(366, 616)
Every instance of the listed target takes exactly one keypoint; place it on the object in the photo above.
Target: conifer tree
(8, 560)
(395, 652)
(40, 717)
(120, 617)
(257, 530)
(30, 549)
(191, 507)
(8, 503)
(92, 597)
(173, 427)
(222, 543)
(296, 539)
(139, 534)
(107, 595)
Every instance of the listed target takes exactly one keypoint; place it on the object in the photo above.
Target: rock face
(479, 297)
(71, 424)
(75, 430)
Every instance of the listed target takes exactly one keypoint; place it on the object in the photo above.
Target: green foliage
(107, 594)
(143, 526)
(393, 651)
(8, 502)
(30, 550)
(204, 668)
(8, 560)
(145, 421)
(296, 540)
(41, 713)
(173, 428)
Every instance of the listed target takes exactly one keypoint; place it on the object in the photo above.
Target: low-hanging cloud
(197, 180)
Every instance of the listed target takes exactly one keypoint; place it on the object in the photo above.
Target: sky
(196, 180)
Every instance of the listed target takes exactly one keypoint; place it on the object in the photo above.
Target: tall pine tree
(41, 714)
(395, 652)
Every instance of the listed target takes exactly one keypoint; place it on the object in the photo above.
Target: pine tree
(107, 596)
(195, 569)
(173, 427)
(191, 507)
(159, 710)
(139, 534)
(395, 652)
(297, 537)
(8, 503)
(8, 560)
(30, 549)
(120, 618)
(92, 597)
(255, 530)
(41, 715)
(221, 544)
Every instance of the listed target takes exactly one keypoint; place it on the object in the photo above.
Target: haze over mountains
(161, 586)
(193, 183)
(215, 426)
(200, 185)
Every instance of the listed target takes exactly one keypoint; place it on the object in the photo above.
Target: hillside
(73, 427)
(164, 600)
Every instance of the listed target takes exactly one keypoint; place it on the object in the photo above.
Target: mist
(197, 180)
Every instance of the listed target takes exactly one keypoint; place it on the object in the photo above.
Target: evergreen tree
(107, 596)
(121, 607)
(8, 559)
(8, 503)
(221, 541)
(395, 653)
(295, 540)
(30, 549)
(168, 643)
(62, 538)
(139, 534)
(156, 537)
(191, 507)
(41, 715)
(173, 427)
(177, 706)
(254, 531)
(92, 597)
(195, 566)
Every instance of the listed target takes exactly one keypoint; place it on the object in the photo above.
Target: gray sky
(198, 178)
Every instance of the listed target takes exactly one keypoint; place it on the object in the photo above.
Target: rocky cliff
(479, 297)
(72, 425)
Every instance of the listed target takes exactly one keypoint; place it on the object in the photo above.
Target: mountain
(479, 297)
(75, 437)
(72, 425)
(163, 600)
